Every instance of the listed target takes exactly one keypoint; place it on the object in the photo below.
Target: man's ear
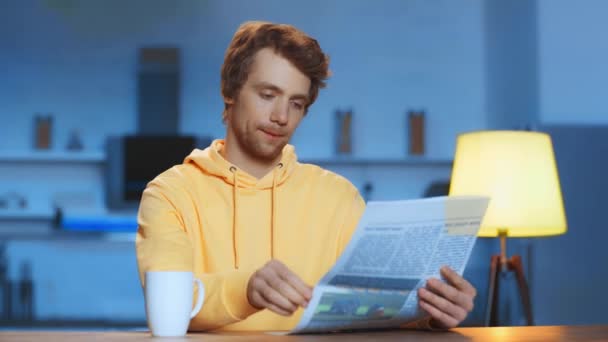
(228, 100)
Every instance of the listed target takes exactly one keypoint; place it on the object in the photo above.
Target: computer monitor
(133, 161)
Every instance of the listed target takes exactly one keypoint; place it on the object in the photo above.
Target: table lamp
(517, 170)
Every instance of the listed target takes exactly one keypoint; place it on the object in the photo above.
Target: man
(257, 227)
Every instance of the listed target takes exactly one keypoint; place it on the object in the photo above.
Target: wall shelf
(26, 214)
(52, 157)
(346, 161)
(99, 157)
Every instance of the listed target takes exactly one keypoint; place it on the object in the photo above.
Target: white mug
(168, 296)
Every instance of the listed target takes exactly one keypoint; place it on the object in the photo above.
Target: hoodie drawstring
(273, 209)
(234, 217)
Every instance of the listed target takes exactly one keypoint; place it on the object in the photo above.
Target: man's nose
(280, 113)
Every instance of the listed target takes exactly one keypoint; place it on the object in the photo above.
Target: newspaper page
(396, 247)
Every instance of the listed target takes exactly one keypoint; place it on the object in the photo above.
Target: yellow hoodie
(211, 218)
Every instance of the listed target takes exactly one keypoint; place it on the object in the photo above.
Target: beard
(252, 143)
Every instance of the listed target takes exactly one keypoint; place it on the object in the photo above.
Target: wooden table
(523, 334)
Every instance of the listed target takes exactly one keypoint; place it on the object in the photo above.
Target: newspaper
(397, 246)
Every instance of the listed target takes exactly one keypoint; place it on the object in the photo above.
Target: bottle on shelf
(416, 132)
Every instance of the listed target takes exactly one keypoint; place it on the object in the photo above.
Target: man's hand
(278, 289)
(448, 304)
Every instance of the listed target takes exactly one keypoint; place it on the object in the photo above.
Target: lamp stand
(499, 264)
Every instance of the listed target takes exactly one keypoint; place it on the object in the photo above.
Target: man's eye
(298, 105)
(267, 96)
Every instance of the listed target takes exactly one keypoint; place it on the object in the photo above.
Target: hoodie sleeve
(357, 206)
(162, 243)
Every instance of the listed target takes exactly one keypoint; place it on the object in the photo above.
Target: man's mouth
(272, 133)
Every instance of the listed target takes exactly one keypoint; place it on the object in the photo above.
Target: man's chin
(269, 155)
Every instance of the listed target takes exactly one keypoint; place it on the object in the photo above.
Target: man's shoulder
(176, 176)
(326, 178)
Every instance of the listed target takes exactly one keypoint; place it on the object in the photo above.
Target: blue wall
(569, 275)
(511, 68)
(573, 52)
(471, 64)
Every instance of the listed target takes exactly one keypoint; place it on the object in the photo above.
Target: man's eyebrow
(270, 86)
(300, 97)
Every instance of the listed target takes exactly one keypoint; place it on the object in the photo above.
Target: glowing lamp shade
(517, 170)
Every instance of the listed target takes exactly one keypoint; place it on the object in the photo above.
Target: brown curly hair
(300, 49)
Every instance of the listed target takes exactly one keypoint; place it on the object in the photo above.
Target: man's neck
(254, 167)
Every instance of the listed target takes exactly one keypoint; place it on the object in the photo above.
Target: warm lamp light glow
(517, 170)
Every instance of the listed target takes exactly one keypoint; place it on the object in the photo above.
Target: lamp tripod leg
(516, 265)
(493, 290)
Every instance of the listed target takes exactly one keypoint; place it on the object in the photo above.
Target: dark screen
(148, 156)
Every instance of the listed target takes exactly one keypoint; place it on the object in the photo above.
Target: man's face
(269, 106)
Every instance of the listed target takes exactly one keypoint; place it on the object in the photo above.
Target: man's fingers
(296, 282)
(445, 320)
(287, 291)
(262, 295)
(457, 281)
(258, 298)
(279, 289)
(274, 297)
(451, 294)
(445, 306)
(278, 310)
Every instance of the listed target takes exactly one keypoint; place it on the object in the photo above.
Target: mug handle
(199, 300)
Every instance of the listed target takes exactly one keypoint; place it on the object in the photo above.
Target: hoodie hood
(211, 161)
